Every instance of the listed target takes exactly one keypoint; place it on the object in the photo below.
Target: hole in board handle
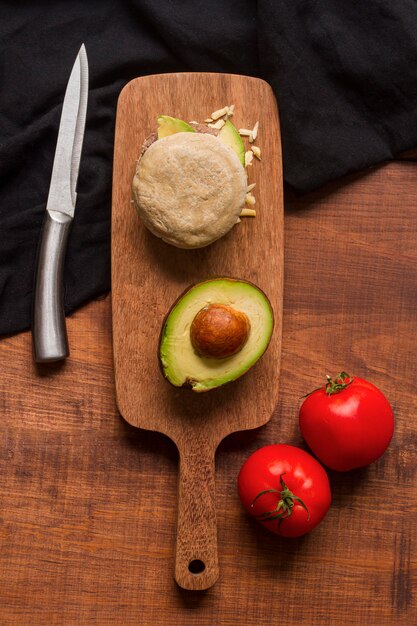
(196, 566)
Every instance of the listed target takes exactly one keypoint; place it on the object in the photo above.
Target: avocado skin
(189, 382)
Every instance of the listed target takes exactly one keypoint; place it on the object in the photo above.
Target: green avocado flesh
(230, 136)
(182, 366)
(170, 125)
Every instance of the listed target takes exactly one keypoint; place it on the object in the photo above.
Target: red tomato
(347, 423)
(285, 488)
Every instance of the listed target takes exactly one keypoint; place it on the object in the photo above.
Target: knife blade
(49, 333)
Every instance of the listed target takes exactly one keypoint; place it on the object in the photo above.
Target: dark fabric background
(344, 73)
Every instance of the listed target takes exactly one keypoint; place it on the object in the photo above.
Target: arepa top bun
(189, 189)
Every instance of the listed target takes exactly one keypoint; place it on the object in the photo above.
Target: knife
(49, 333)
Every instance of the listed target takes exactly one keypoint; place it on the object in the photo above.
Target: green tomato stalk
(284, 506)
(340, 381)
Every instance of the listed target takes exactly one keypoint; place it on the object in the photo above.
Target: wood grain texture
(88, 503)
(148, 275)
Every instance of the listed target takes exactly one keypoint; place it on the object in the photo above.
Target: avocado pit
(219, 331)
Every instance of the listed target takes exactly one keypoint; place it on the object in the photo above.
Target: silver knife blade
(62, 190)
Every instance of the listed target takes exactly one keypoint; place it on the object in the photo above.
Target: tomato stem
(341, 381)
(284, 506)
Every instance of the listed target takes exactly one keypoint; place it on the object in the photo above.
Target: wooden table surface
(88, 503)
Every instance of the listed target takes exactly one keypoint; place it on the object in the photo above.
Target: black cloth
(344, 73)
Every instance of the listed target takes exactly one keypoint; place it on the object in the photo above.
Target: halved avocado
(230, 136)
(220, 302)
(171, 125)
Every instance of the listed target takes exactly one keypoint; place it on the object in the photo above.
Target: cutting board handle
(196, 561)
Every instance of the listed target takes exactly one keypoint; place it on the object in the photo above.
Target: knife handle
(49, 332)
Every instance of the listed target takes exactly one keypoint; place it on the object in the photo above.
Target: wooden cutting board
(148, 275)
